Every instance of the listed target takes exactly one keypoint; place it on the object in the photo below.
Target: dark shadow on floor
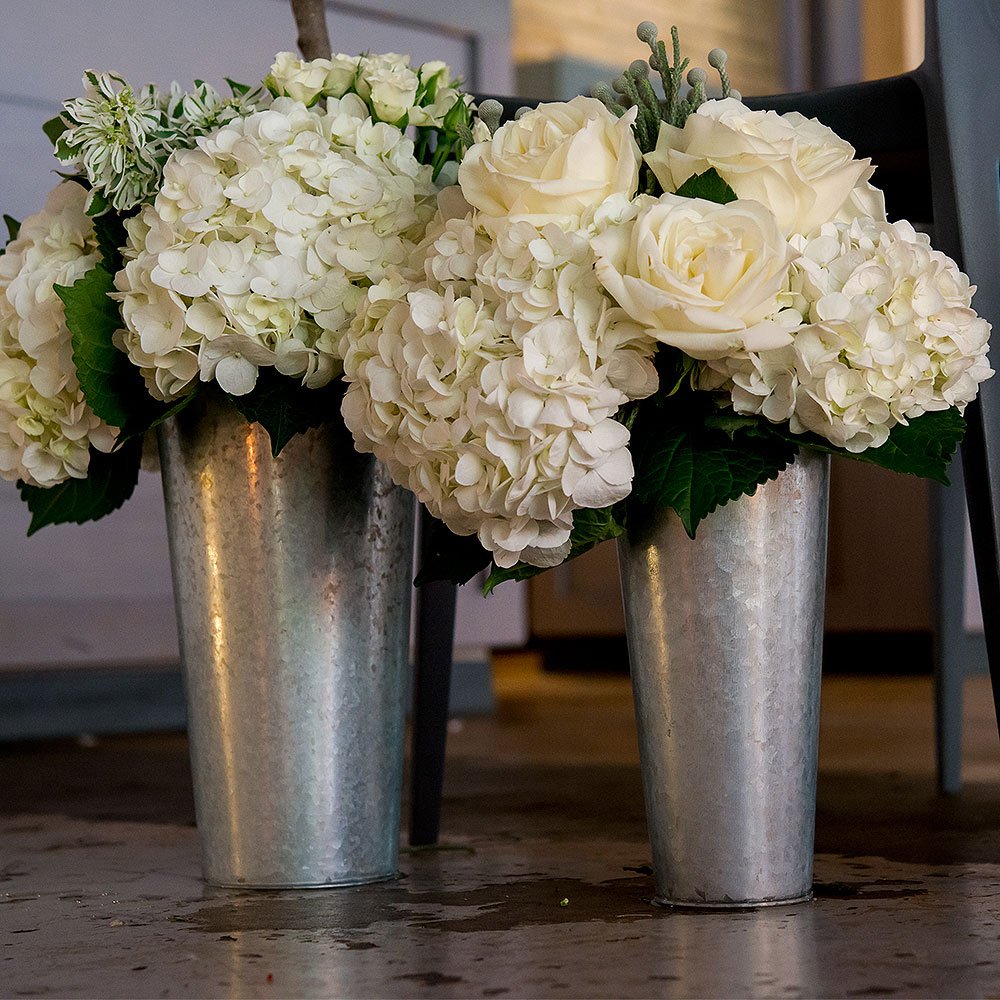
(147, 779)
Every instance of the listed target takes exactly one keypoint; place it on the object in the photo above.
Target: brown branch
(310, 19)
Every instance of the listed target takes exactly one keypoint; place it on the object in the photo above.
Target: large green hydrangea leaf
(692, 460)
(923, 447)
(284, 408)
(110, 482)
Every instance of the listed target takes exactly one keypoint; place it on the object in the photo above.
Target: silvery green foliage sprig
(119, 138)
(635, 89)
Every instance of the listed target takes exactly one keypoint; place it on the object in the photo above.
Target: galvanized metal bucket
(292, 581)
(725, 636)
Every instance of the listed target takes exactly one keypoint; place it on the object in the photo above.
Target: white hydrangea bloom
(887, 334)
(262, 241)
(46, 426)
(491, 391)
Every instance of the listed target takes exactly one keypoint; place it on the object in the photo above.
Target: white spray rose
(557, 163)
(299, 79)
(388, 83)
(699, 276)
(439, 94)
(341, 74)
(308, 81)
(46, 427)
(802, 170)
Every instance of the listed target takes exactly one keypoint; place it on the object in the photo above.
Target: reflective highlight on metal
(292, 577)
(725, 636)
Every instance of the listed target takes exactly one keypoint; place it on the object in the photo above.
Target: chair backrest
(935, 136)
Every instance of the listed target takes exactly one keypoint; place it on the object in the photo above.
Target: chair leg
(948, 726)
(979, 496)
(435, 636)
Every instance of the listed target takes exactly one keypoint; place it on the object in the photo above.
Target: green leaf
(111, 384)
(54, 128)
(110, 482)
(730, 422)
(686, 464)
(110, 232)
(13, 227)
(924, 447)
(284, 408)
(708, 186)
(591, 526)
(447, 556)
(155, 415)
(519, 571)
(97, 204)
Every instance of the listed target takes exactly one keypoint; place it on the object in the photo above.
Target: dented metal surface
(292, 580)
(725, 639)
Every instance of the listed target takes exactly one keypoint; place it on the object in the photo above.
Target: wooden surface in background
(603, 32)
(892, 34)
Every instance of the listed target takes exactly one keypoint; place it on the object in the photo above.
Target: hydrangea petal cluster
(491, 391)
(46, 426)
(261, 242)
(120, 138)
(887, 334)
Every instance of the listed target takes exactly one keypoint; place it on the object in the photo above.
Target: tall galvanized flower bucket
(725, 636)
(292, 582)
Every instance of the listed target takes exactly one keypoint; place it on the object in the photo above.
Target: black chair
(937, 146)
(936, 140)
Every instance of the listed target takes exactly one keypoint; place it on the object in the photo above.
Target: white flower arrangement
(886, 334)
(261, 241)
(746, 253)
(207, 240)
(120, 139)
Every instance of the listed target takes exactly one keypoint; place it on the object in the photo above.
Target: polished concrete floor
(540, 887)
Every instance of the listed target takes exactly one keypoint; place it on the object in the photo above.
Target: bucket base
(275, 886)
(671, 904)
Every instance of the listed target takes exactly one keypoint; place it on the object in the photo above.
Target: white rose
(700, 276)
(388, 84)
(298, 79)
(340, 76)
(558, 163)
(803, 171)
(438, 94)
